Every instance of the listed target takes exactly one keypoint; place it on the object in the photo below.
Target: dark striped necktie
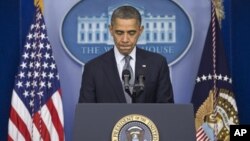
(128, 67)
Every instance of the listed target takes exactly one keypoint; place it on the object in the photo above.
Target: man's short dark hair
(126, 12)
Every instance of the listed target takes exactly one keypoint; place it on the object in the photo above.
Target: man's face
(125, 33)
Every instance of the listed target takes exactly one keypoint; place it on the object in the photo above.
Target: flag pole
(213, 18)
(217, 10)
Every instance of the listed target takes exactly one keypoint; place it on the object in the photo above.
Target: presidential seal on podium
(135, 127)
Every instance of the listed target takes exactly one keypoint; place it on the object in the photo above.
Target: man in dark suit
(102, 80)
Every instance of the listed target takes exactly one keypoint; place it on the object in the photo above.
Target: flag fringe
(39, 3)
(219, 9)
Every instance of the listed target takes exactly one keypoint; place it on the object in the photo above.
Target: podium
(164, 122)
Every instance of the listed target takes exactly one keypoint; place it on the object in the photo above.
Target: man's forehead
(123, 22)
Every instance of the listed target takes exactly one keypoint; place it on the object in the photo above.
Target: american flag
(36, 108)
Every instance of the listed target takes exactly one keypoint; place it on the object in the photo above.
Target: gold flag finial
(219, 9)
(39, 3)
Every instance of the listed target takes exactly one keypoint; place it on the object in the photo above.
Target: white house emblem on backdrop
(167, 29)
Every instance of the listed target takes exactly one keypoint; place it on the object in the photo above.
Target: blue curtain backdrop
(9, 56)
(240, 56)
(16, 17)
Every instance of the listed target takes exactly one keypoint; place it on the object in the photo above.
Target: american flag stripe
(47, 125)
(17, 136)
(16, 119)
(57, 102)
(39, 124)
(22, 110)
(35, 134)
(55, 117)
(9, 138)
(201, 135)
(50, 117)
(199, 132)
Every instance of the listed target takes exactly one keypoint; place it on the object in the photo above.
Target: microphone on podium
(126, 76)
(138, 87)
(141, 79)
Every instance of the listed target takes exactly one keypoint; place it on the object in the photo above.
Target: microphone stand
(138, 88)
(134, 93)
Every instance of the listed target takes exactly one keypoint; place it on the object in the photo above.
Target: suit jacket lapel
(113, 77)
(140, 66)
(140, 69)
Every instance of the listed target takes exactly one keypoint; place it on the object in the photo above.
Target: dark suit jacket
(101, 82)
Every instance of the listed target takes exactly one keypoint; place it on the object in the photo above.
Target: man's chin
(125, 52)
(125, 47)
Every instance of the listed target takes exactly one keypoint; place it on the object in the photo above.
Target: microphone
(141, 79)
(126, 76)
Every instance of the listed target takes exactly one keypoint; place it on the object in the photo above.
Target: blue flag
(213, 98)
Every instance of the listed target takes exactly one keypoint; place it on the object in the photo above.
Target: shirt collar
(119, 57)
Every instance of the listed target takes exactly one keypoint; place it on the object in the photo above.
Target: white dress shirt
(120, 61)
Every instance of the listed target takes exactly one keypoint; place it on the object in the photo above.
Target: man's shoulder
(100, 59)
(149, 54)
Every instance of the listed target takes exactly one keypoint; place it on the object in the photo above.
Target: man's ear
(141, 29)
(111, 29)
